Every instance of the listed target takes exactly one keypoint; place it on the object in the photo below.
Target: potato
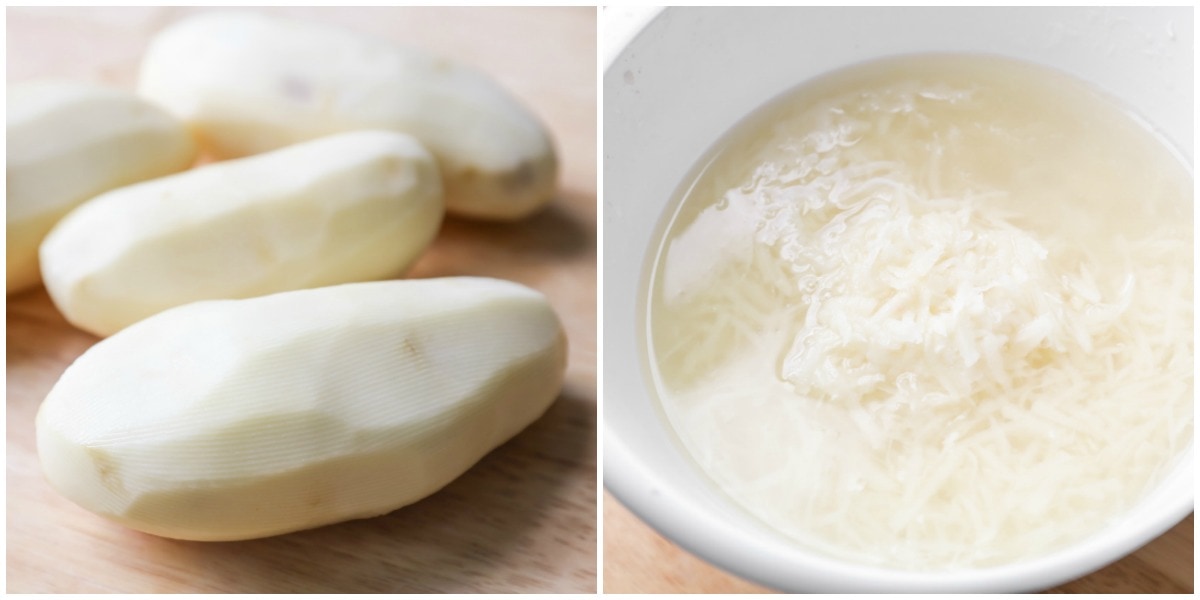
(68, 142)
(352, 207)
(237, 419)
(247, 83)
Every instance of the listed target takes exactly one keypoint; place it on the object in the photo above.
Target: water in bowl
(930, 312)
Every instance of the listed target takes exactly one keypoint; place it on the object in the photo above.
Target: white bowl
(693, 73)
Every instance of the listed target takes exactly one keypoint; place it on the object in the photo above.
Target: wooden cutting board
(638, 559)
(522, 520)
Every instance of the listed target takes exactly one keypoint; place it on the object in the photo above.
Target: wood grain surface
(639, 560)
(522, 520)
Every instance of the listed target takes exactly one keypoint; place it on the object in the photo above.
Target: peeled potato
(351, 207)
(228, 420)
(68, 142)
(247, 83)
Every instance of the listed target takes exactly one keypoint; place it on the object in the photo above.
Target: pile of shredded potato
(878, 357)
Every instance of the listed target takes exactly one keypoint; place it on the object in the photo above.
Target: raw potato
(237, 419)
(351, 207)
(247, 83)
(68, 142)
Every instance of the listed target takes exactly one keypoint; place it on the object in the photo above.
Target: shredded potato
(891, 357)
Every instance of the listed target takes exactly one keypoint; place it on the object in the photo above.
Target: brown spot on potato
(520, 178)
(295, 88)
(106, 469)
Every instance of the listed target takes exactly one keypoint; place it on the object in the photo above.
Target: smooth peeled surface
(352, 207)
(237, 419)
(68, 142)
(247, 83)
